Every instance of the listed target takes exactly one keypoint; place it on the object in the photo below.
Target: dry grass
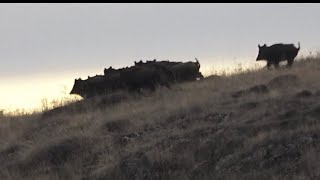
(194, 130)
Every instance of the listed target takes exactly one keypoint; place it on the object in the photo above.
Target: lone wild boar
(278, 52)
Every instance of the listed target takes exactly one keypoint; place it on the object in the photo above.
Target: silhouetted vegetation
(252, 124)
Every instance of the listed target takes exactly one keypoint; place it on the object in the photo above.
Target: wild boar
(276, 53)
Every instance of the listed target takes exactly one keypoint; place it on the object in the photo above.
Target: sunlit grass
(194, 130)
(62, 96)
(46, 104)
(27, 95)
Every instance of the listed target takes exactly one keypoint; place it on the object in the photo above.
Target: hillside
(257, 124)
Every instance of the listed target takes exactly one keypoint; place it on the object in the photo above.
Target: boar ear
(259, 46)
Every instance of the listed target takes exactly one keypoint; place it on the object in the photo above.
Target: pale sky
(44, 47)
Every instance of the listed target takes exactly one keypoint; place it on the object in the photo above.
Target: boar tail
(198, 63)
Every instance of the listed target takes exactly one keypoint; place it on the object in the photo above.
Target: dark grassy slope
(252, 125)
